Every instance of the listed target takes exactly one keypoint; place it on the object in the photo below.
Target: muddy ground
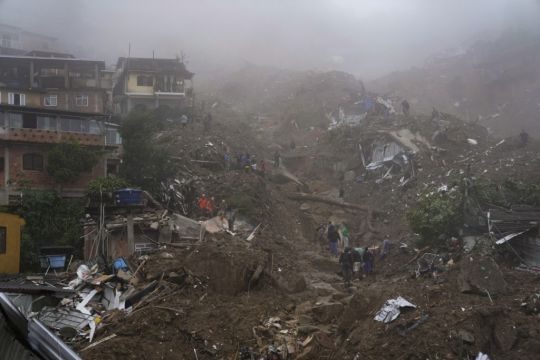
(283, 288)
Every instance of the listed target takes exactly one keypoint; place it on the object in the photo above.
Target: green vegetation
(66, 162)
(50, 220)
(144, 164)
(104, 185)
(435, 214)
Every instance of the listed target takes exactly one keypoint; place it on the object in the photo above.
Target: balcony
(51, 137)
(51, 82)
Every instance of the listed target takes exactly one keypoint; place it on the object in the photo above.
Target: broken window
(3, 239)
(33, 161)
(145, 80)
(16, 99)
(29, 121)
(81, 100)
(50, 100)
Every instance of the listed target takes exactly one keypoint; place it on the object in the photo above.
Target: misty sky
(366, 37)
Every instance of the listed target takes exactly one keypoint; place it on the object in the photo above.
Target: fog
(366, 37)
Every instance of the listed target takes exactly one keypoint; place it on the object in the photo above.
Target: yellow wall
(133, 88)
(9, 261)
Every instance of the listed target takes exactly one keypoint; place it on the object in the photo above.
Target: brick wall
(40, 179)
(66, 101)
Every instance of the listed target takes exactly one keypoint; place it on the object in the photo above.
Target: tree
(50, 220)
(66, 161)
(144, 164)
(436, 213)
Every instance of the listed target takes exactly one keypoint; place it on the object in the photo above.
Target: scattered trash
(482, 356)
(391, 309)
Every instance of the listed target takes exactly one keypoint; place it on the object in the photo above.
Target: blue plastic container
(120, 263)
(128, 197)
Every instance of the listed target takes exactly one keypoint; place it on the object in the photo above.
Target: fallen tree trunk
(369, 213)
(309, 197)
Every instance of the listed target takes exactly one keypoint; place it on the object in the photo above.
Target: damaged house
(152, 83)
(46, 101)
(517, 228)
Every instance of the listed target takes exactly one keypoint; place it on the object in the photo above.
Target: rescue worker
(368, 261)
(203, 204)
(385, 247)
(405, 107)
(211, 206)
(345, 234)
(346, 260)
(277, 159)
(358, 255)
(333, 238)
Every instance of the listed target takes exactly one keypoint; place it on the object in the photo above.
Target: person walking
(385, 247)
(368, 261)
(345, 236)
(333, 238)
(277, 159)
(346, 260)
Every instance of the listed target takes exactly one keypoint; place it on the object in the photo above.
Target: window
(50, 100)
(29, 121)
(113, 137)
(75, 125)
(94, 127)
(15, 120)
(46, 123)
(3, 240)
(64, 124)
(81, 100)
(33, 162)
(145, 80)
(2, 164)
(16, 99)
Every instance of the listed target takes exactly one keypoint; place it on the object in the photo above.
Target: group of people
(207, 207)
(245, 162)
(359, 260)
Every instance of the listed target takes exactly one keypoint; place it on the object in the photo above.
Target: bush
(435, 214)
(66, 161)
(50, 220)
(104, 185)
(144, 164)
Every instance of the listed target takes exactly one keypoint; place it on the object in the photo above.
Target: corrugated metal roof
(10, 347)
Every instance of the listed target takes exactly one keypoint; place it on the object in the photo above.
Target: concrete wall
(132, 86)
(10, 260)
(65, 100)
